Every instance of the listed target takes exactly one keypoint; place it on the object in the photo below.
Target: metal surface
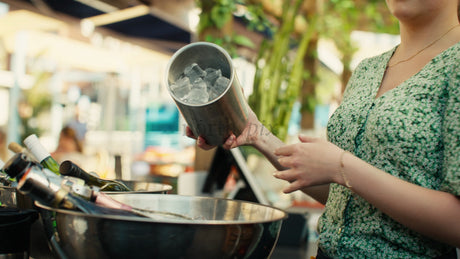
(11, 197)
(143, 187)
(218, 118)
(219, 228)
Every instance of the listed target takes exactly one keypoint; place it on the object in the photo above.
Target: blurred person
(389, 171)
(70, 147)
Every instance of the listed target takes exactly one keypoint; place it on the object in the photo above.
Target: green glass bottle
(35, 147)
(69, 168)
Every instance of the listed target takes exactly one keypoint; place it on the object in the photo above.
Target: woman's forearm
(266, 144)
(432, 213)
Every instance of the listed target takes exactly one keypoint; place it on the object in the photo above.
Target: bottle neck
(36, 148)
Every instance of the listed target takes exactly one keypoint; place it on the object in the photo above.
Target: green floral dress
(412, 132)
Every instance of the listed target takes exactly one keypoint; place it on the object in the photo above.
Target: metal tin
(218, 118)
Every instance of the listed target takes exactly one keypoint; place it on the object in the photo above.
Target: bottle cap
(36, 148)
(16, 165)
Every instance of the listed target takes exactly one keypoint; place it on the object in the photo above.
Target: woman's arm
(432, 213)
(257, 135)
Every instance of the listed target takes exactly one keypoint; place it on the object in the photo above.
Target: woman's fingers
(285, 150)
(189, 133)
(307, 139)
(287, 161)
(201, 142)
(286, 175)
(296, 183)
(295, 186)
(230, 142)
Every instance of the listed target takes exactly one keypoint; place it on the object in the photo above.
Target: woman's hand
(311, 162)
(249, 136)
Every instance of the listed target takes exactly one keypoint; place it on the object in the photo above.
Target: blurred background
(98, 66)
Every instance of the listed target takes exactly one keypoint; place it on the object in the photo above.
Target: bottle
(16, 167)
(39, 151)
(69, 168)
(40, 185)
(5, 180)
(37, 190)
(16, 148)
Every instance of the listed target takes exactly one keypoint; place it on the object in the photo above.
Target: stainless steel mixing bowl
(206, 228)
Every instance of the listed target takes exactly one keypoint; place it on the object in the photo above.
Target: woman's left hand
(311, 162)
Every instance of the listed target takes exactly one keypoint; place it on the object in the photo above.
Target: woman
(69, 146)
(389, 173)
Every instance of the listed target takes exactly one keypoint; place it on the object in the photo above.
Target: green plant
(217, 14)
(35, 102)
(280, 72)
(341, 17)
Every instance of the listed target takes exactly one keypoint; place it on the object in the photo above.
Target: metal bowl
(205, 228)
(11, 197)
(143, 187)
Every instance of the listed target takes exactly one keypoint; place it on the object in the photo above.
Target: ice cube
(213, 94)
(199, 84)
(221, 84)
(197, 96)
(193, 72)
(209, 70)
(181, 88)
(211, 76)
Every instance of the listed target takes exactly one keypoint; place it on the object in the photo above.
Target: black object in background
(15, 227)
(220, 169)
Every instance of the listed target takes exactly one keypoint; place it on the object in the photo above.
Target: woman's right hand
(249, 136)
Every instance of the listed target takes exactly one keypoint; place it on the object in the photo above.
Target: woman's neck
(416, 37)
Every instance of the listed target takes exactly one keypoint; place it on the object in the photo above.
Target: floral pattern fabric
(411, 132)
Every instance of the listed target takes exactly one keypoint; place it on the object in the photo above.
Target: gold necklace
(427, 46)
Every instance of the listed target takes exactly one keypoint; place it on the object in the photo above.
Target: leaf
(220, 15)
(243, 41)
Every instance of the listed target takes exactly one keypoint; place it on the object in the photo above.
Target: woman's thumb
(307, 139)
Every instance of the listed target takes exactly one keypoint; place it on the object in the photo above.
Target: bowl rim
(161, 187)
(280, 213)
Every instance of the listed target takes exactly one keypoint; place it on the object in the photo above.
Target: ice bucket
(218, 118)
(207, 228)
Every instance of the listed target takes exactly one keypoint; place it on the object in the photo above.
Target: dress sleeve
(451, 137)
